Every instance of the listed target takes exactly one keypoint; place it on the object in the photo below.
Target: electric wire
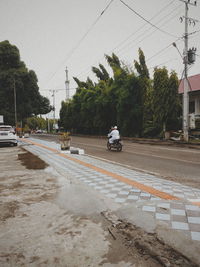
(81, 40)
(182, 73)
(187, 78)
(153, 25)
(139, 29)
(142, 39)
(87, 32)
(194, 32)
(151, 33)
(145, 25)
(149, 59)
(163, 49)
(170, 60)
(147, 30)
(157, 53)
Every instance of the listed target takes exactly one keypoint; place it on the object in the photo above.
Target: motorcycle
(117, 144)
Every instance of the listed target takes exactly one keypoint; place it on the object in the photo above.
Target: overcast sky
(53, 34)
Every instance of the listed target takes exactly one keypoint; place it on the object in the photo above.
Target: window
(192, 107)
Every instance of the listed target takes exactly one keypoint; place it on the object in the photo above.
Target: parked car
(8, 135)
(39, 131)
(26, 135)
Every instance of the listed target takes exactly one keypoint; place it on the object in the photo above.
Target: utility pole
(48, 125)
(53, 91)
(186, 62)
(54, 106)
(67, 85)
(15, 103)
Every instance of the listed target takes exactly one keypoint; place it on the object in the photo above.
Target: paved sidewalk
(178, 206)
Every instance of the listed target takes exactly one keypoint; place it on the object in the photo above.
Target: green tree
(138, 105)
(34, 123)
(145, 85)
(130, 107)
(97, 106)
(166, 105)
(101, 73)
(141, 66)
(14, 74)
(174, 109)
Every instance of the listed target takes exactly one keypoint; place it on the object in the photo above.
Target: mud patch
(40, 197)
(7, 210)
(145, 247)
(31, 161)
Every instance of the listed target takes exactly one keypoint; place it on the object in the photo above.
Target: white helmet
(115, 127)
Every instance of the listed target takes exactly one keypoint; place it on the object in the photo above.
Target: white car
(7, 135)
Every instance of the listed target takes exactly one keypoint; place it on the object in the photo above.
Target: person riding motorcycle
(113, 135)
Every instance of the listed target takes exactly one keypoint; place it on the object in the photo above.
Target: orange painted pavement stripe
(140, 186)
(196, 203)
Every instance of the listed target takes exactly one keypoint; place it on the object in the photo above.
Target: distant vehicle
(26, 135)
(8, 135)
(39, 131)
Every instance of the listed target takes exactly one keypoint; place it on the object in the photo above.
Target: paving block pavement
(175, 205)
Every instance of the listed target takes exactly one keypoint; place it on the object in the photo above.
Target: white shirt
(114, 134)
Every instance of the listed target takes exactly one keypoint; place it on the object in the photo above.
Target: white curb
(74, 150)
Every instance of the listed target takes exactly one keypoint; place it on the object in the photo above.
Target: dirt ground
(36, 231)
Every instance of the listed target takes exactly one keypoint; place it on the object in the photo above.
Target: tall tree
(141, 66)
(101, 72)
(15, 75)
(174, 109)
(131, 100)
(166, 105)
(145, 85)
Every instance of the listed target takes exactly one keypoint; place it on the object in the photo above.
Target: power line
(81, 40)
(52, 89)
(194, 32)
(139, 29)
(173, 59)
(84, 36)
(157, 53)
(163, 49)
(148, 34)
(158, 13)
(153, 25)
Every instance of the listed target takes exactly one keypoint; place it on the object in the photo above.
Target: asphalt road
(180, 164)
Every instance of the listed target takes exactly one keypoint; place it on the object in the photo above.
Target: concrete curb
(73, 150)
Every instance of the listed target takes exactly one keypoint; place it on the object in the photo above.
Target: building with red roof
(194, 93)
